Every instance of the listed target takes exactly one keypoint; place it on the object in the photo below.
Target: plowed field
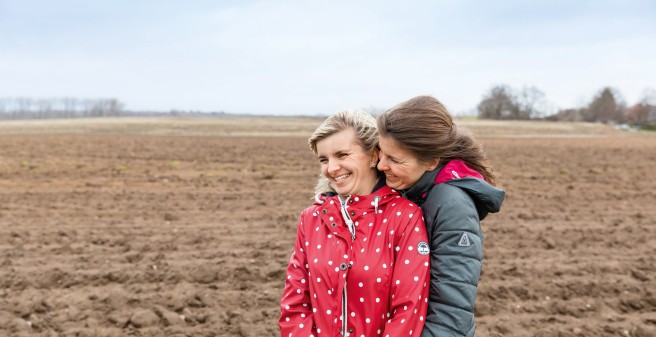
(183, 227)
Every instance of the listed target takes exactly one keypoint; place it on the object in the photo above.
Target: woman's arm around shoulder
(456, 256)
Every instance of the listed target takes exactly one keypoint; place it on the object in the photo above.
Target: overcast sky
(311, 57)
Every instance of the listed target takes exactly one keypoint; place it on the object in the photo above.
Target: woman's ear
(431, 165)
(374, 158)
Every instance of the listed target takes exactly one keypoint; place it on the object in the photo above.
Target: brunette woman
(426, 157)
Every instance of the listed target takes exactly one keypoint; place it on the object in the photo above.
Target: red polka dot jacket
(372, 283)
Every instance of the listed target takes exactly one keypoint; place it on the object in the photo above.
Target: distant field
(255, 126)
(168, 126)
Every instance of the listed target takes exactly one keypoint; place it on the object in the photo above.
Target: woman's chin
(394, 184)
(342, 190)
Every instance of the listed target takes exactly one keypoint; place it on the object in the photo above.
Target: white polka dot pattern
(381, 275)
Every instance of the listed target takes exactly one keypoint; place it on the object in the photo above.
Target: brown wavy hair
(423, 126)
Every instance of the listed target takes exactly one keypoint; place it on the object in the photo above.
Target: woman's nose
(332, 167)
(382, 164)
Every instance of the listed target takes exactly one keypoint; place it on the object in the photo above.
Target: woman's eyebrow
(390, 156)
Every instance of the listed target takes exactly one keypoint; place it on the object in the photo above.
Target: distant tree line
(29, 108)
(607, 106)
(502, 102)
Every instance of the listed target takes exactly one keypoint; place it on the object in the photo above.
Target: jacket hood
(488, 198)
(323, 186)
(381, 195)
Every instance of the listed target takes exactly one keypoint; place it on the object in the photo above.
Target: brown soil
(164, 235)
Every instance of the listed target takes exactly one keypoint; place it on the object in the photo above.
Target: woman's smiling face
(402, 169)
(346, 164)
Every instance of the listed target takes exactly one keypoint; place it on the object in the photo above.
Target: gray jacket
(452, 212)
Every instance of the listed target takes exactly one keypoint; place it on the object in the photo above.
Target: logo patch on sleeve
(464, 240)
(422, 248)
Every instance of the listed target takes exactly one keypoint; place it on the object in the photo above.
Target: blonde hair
(366, 132)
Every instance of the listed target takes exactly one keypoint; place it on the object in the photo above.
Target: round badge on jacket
(422, 248)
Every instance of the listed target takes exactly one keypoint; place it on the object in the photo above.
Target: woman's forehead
(340, 141)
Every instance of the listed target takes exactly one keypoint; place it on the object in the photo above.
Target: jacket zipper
(344, 311)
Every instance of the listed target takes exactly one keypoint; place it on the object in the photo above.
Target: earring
(373, 165)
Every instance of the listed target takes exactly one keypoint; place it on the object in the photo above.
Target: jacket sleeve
(296, 310)
(410, 276)
(456, 257)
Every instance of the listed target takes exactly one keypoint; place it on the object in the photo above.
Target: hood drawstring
(347, 218)
(376, 200)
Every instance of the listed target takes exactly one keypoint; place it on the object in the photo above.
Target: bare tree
(45, 108)
(532, 103)
(644, 112)
(114, 107)
(605, 107)
(499, 103)
(637, 114)
(24, 104)
(70, 105)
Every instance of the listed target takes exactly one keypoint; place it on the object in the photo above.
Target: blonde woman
(360, 263)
